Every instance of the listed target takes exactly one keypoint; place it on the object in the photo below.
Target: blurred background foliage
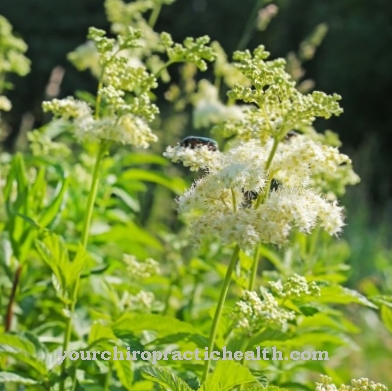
(353, 59)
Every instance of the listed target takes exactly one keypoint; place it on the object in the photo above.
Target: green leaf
(166, 379)
(162, 325)
(226, 376)
(49, 214)
(308, 310)
(9, 377)
(124, 371)
(16, 343)
(135, 159)
(386, 317)
(340, 295)
(165, 325)
(99, 331)
(177, 185)
(382, 300)
(54, 252)
(132, 203)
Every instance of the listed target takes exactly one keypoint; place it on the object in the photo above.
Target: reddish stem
(8, 317)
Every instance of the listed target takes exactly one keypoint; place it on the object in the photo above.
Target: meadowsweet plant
(262, 187)
(93, 254)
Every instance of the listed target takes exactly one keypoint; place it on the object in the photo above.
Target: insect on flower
(195, 141)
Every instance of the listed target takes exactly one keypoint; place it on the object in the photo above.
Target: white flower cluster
(294, 287)
(196, 159)
(138, 269)
(255, 312)
(126, 129)
(222, 203)
(142, 300)
(362, 384)
(209, 110)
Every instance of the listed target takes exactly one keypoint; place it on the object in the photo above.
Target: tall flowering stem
(85, 233)
(219, 309)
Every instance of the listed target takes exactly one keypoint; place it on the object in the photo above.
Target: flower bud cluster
(254, 311)
(362, 384)
(195, 51)
(271, 89)
(294, 287)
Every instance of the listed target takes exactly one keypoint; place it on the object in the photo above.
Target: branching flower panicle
(282, 106)
(123, 107)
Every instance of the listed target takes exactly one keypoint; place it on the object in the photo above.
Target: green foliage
(93, 257)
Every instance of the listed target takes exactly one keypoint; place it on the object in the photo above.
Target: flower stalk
(219, 309)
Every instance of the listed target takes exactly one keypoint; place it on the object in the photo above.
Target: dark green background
(354, 60)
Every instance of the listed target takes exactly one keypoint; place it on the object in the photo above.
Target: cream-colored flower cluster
(222, 203)
(362, 384)
(138, 269)
(5, 103)
(141, 301)
(209, 110)
(253, 311)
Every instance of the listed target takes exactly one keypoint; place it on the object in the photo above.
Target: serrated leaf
(165, 379)
(99, 331)
(162, 325)
(382, 299)
(9, 377)
(340, 295)
(227, 375)
(124, 371)
(16, 343)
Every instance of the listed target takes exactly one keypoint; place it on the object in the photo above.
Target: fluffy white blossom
(125, 129)
(220, 204)
(196, 159)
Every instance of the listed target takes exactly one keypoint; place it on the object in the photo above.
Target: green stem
(154, 15)
(9, 313)
(245, 38)
(219, 308)
(164, 66)
(93, 193)
(272, 153)
(253, 274)
(86, 228)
